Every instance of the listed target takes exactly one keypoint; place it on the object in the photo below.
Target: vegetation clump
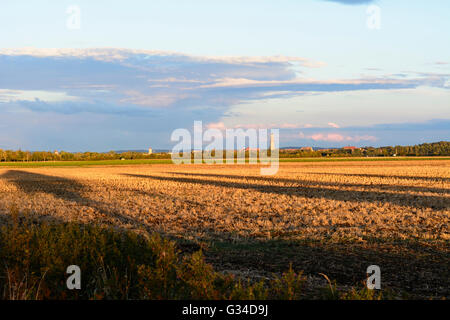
(118, 265)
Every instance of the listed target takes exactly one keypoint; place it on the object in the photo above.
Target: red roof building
(350, 148)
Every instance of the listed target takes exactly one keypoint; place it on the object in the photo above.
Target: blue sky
(136, 70)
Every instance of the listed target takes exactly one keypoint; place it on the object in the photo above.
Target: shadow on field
(62, 188)
(413, 268)
(433, 202)
(365, 175)
(323, 183)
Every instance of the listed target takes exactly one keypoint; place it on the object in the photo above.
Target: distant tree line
(426, 149)
(19, 155)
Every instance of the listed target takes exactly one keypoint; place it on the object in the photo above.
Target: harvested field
(331, 218)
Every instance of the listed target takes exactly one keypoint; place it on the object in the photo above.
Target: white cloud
(155, 79)
(337, 137)
(333, 125)
(8, 95)
(119, 54)
(216, 125)
(244, 82)
(153, 100)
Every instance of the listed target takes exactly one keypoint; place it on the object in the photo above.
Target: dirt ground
(334, 218)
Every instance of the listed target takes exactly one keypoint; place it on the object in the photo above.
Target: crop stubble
(335, 218)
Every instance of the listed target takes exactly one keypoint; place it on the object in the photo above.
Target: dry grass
(334, 218)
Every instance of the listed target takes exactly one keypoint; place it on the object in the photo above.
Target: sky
(114, 75)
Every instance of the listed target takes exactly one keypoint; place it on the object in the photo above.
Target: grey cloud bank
(49, 98)
(161, 80)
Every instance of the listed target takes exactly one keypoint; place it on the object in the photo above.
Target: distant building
(251, 149)
(307, 149)
(150, 150)
(351, 148)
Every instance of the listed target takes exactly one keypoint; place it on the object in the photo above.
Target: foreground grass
(39, 164)
(124, 265)
(344, 262)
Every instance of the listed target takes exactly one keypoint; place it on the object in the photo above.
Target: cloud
(139, 96)
(160, 79)
(222, 126)
(407, 133)
(75, 107)
(139, 77)
(127, 55)
(319, 85)
(333, 125)
(434, 124)
(337, 137)
(216, 125)
(32, 95)
(158, 99)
